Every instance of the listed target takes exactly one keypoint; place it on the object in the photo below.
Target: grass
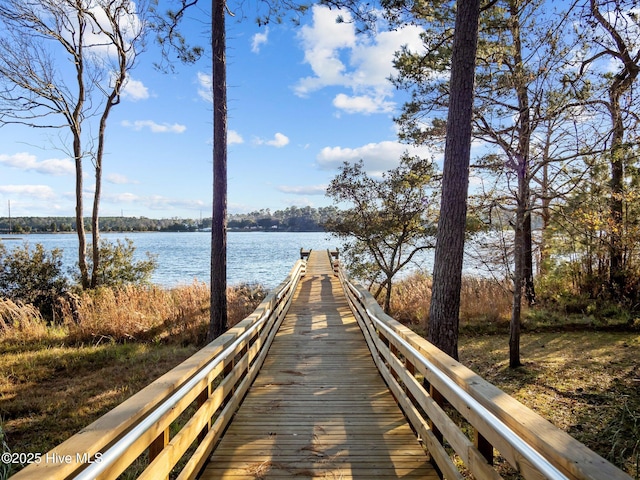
(586, 383)
(47, 393)
(153, 314)
(56, 380)
(483, 303)
(581, 369)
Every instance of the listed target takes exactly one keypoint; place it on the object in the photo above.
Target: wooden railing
(431, 388)
(190, 405)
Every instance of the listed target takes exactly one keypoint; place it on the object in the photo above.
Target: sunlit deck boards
(319, 408)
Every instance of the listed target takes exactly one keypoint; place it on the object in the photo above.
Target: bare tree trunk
(95, 227)
(529, 287)
(516, 311)
(218, 315)
(387, 297)
(523, 268)
(447, 269)
(519, 264)
(112, 100)
(617, 276)
(77, 153)
(80, 231)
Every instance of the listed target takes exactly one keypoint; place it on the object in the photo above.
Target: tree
(390, 220)
(614, 36)
(218, 310)
(99, 41)
(118, 267)
(33, 276)
(520, 59)
(171, 39)
(447, 268)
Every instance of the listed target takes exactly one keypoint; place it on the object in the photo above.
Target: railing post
(227, 370)
(411, 368)
(484, 447)
(440, 400)
(244, 351)
(156, 447)
(202, 398)
(393, 349)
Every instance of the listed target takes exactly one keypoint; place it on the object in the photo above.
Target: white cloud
(122, 198)
(322, 42)
(205, 86)
(377, 157)
(303, 189)
(373, 60)
(118, 179)
(362, 64)
(362, 104)
(279, 140)
(28, 162)
(134, 90)
(258, 40)
(154, 127)
(234, 137)
(41, 192)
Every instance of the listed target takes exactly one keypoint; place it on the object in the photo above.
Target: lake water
(254, 257)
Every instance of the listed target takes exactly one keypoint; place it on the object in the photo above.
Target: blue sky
(302, 99)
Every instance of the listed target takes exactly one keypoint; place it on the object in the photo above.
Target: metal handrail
(242, 349)
(527, 451)
(593, 466)
(114, 452)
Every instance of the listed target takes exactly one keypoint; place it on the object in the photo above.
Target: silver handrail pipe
(212, 382)
(426, 383)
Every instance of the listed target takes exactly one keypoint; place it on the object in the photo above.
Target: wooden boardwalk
(319, 408)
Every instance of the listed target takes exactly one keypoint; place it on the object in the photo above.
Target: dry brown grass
(55, 380)
(482, 301)
(133, 313)
(21, 322)
(586, 383)
(138, 313)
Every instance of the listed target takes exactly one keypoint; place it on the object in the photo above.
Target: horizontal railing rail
(428, 385)
(188, 407)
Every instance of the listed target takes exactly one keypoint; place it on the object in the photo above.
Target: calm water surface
(252, 257)
(255, 257)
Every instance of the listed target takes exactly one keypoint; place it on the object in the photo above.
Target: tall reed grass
(483, 302)
(132, 313)
(20, 321)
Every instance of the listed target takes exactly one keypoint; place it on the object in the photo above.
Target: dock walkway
(319, 408)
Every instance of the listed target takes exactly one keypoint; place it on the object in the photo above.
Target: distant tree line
(107, 224)
(291, 219)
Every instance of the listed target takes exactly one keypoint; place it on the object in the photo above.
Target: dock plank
(319, 408)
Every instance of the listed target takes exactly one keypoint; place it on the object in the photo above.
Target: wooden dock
(296, 390)
(319, 408)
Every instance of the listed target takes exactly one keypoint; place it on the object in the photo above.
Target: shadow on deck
(319, 408)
